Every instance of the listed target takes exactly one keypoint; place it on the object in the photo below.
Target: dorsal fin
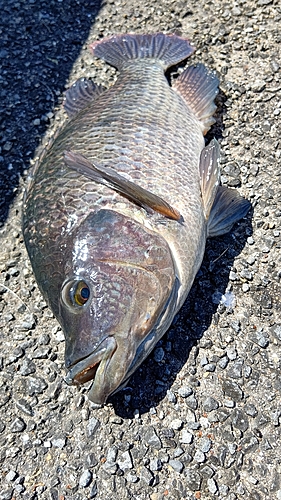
(199, 87)
(113, 180)
(167, 49)
(80, 94)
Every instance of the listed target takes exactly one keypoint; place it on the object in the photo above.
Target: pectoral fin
(113, 180)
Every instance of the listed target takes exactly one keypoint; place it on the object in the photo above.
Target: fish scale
(123, 196)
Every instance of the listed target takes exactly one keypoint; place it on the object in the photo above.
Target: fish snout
(92, 367)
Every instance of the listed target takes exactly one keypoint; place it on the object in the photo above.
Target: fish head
(119, 277)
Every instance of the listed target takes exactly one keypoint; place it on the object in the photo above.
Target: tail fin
(167, 49)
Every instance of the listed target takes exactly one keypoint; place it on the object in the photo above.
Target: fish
(120, 205)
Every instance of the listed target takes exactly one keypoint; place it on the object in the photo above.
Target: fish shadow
(40, 43)
(149, 385)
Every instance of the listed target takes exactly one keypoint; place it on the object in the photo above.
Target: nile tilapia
(120, 205)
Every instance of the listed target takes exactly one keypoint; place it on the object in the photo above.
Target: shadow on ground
(40, 41)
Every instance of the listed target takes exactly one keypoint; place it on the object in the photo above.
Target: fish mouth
(93, 366)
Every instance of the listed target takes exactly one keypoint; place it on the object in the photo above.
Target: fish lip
(78, 372)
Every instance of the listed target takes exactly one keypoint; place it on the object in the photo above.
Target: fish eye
(79, 293)
(76, 293)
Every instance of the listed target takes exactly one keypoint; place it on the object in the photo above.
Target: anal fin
(80, 94)
(112, 179)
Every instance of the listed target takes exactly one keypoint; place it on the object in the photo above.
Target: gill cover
(119, 277)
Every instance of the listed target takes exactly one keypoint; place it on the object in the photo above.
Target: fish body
(119, 208)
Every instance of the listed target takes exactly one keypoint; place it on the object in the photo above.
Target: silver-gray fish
(120, 205)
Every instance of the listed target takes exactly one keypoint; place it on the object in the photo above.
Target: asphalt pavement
(201, 418)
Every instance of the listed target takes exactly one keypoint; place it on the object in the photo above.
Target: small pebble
(235, 370)
(152, 439)
(186, 437)
(92, 426)
(212, 485)
(18, 425)
(251, 259)
(210, 367)
(247, 371)
(24, 406)
(252, 479)
(232, 448)
(207, 471)
(240, 489)
(204, 361)
(223, 362)
(260, 338)
(11, 476)
(171, 396)
(199, 456)
(210, 404)
(41, 353)
(246, 274)
(223, 489)
(132, 478)
(44, 339)
(159, 354)
(59, 442)
(146, 476)
(251, 410)
(275, 66)
(185, 391)
(232, 390)
(178, 452)
(228, 403)
(85, 479)
(155, 464)
(59, 336)
(125, 460)
(7, 146)
(111, 454)
(177, 465)
(231, 353)
(27, 367)
(94, 490)
(204, 444)
(232, 276)
(176, 424)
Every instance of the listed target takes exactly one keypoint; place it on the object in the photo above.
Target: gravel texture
(201, 417)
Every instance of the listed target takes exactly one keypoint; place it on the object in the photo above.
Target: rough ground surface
(201, 418)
